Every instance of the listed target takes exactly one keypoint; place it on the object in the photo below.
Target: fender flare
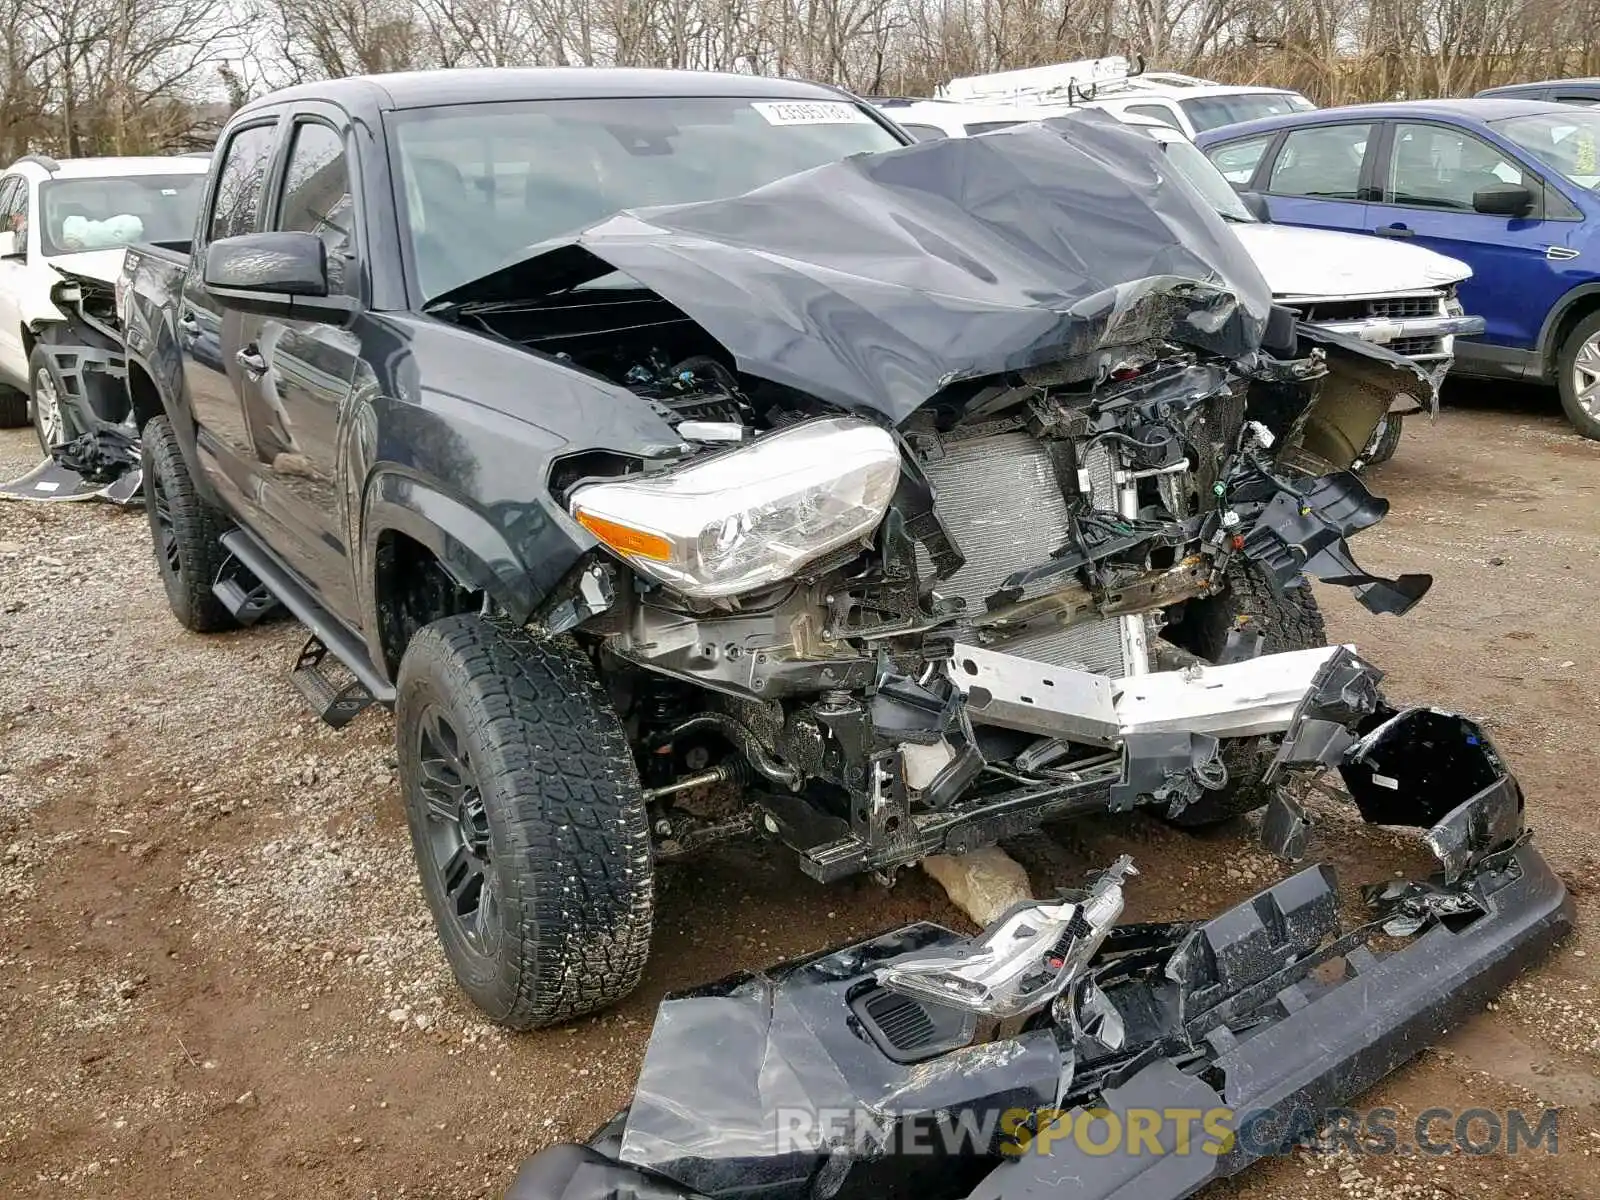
(1547, 347)
(464, 541)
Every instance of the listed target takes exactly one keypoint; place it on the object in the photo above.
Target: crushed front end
(983, 445)
(920, 1063)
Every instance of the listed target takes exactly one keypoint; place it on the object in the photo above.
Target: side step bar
(323, 626)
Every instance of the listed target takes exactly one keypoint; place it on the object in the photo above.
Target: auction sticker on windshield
(809, 112)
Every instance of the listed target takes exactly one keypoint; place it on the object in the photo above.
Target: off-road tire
(1385, 441)
(13, 408)
(191, 556)
(1584, 422)
(1291, 621)
(568, 846)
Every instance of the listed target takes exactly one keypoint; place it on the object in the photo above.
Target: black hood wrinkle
(875, 282)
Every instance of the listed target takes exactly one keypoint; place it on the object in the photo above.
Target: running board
(242, 594)
(336, 703)
(323, 626)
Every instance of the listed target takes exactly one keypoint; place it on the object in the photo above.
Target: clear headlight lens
(751, 517)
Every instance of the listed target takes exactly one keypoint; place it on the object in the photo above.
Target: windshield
(105, 214)
(486, 181)
(1567, 141)
(1200, 173)
(1211, 112)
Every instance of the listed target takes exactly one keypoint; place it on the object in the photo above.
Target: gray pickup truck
(686, 457)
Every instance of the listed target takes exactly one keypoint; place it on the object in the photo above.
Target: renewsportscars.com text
(1180, 1131)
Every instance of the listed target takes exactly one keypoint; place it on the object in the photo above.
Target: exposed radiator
(999, 498)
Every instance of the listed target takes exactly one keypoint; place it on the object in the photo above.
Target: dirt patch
(217, 975)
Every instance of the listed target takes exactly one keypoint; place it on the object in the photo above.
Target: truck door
(299, 374)
(211, 336)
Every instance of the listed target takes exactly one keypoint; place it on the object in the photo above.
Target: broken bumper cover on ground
(815, 1080)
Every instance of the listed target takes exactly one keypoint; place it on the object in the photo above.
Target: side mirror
(8, 245)
(274, 274)
(1258, 206)
(1503, 200)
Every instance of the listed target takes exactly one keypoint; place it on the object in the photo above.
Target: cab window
(316, 194)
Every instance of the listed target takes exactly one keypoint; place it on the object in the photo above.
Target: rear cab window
(316, 196)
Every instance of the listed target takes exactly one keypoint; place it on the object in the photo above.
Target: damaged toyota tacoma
(683, 458)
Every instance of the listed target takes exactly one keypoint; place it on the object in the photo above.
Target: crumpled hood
(879, 280)
(1308, 263)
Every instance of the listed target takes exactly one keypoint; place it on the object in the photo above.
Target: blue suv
(1507, 186)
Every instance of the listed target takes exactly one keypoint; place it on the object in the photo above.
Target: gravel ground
(217, 976)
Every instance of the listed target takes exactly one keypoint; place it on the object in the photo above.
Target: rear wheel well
(143, 395)
(1576, 312)
(411, 589)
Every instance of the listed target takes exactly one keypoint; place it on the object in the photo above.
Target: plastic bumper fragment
(1328, 1050)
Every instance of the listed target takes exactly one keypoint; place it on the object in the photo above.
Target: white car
(1399, 296)
(63, 229)
(1187, 103)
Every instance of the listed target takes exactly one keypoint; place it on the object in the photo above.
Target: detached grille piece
(999, 497)
(908, 1030)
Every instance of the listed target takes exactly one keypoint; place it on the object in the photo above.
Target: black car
(637, 435)
(1563, 91)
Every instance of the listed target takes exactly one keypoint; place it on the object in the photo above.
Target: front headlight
(751, 517)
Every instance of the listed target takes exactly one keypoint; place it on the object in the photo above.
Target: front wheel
(527, 819)
(1290, 621)
(54, 420)
(1578, 376)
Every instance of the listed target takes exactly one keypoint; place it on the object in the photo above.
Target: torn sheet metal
(876, 282)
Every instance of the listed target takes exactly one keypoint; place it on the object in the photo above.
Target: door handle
(1394, 231)
(189, 323)
(250, 359)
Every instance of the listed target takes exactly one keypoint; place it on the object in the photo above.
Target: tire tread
(580, 907)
